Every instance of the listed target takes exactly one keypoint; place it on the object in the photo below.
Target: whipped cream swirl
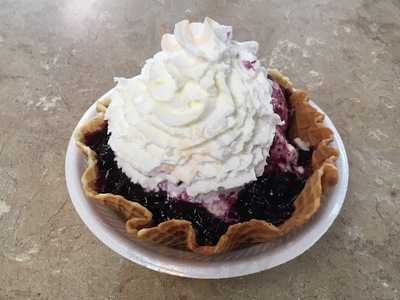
(199, 115)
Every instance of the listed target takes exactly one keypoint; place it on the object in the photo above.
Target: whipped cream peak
(198, 116)
(206, 40)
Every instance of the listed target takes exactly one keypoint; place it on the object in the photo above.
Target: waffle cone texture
(307, 124)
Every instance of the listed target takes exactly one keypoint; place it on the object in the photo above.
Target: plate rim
(115, 242)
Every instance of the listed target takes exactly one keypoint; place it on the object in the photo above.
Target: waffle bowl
(306, 124)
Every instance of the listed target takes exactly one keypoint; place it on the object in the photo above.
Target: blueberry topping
(269, 198)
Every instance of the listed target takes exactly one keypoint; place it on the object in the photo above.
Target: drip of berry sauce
(269, 198)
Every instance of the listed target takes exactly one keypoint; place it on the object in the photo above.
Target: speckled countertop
(57, 57)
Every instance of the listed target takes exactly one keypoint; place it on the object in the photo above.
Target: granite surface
(57, 57)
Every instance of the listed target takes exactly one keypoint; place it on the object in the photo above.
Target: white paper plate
(110, 229)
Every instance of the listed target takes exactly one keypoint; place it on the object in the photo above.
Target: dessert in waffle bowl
(206, 150)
